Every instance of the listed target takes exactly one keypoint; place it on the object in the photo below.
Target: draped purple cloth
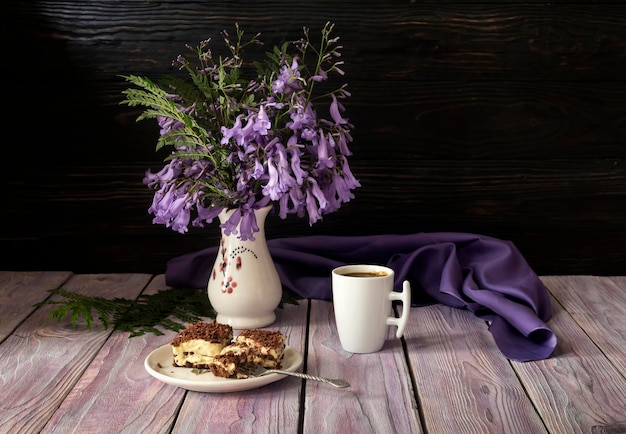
(484, 275)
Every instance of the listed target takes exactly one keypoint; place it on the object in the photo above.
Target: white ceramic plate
(159, 365)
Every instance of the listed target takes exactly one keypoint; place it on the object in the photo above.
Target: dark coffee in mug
(366, 274)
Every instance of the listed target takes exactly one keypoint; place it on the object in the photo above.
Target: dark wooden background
(504, 118)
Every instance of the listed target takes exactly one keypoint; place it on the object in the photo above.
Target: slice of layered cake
(199, 343)
(228, 365)
(251, 348)
(265, 347)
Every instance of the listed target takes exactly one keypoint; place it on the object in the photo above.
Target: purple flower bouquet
(236, 143)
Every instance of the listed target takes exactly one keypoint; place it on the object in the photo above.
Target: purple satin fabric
(485, 275)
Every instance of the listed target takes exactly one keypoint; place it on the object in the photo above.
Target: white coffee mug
(362, 298)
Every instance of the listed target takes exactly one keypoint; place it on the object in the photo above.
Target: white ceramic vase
(244, 288)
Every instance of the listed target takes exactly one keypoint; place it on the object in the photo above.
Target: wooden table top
(445, 376)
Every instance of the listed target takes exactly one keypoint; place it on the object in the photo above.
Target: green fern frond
(82, 308)
(169, 309)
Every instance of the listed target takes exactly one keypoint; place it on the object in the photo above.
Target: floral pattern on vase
(244, 287)
(228, 284)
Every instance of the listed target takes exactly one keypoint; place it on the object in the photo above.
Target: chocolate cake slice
(251, 348)
(195, 346)
(265, 347)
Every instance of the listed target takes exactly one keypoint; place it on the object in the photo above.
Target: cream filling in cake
(225, 365)
(196, 351)
(236, 350)
(265, 348)
(274, 352)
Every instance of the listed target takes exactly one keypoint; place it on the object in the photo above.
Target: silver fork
(259, 371)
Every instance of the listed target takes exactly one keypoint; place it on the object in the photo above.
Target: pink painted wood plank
(41, 362)
(598, 305)
(117, 389)
(272, 408)
(19, 290)
(380, 399)
(464, 382)
(577, 388)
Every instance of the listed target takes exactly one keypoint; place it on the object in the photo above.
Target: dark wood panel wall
(506, 118)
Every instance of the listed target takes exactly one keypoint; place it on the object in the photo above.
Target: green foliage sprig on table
(169, 309)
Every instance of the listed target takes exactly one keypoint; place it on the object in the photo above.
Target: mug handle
(405, 297)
